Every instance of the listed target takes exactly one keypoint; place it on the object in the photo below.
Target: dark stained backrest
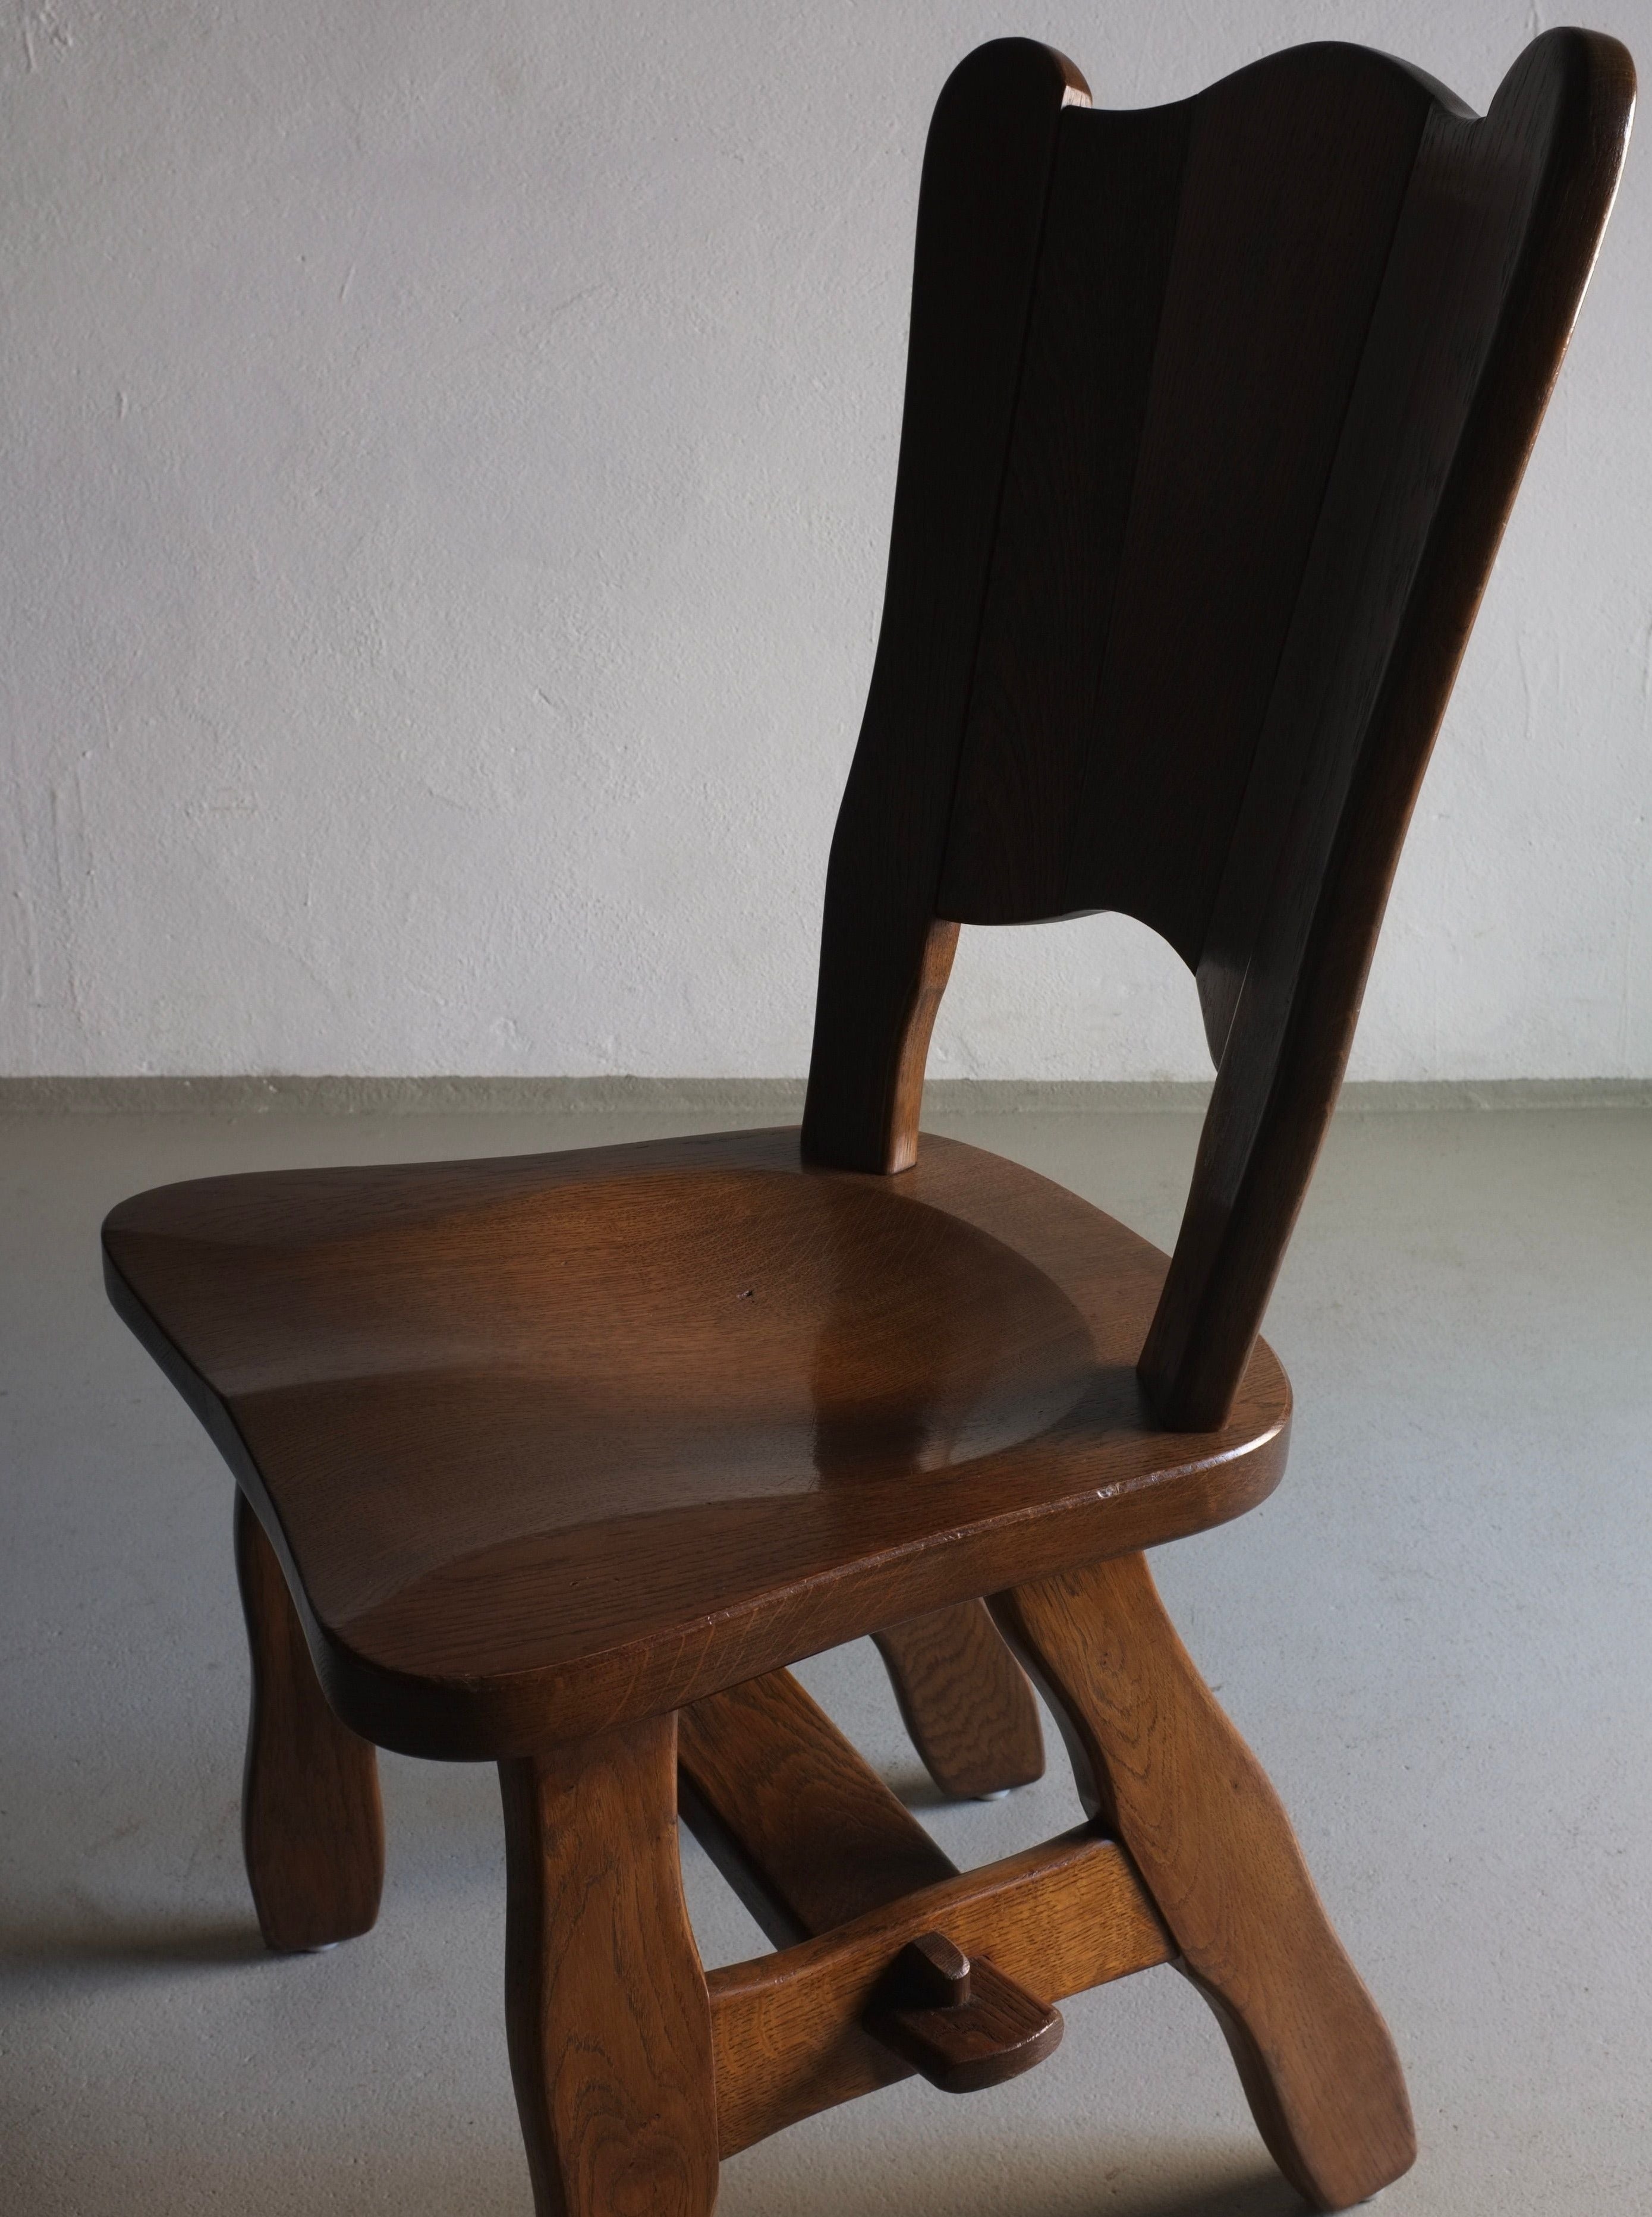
(1214, 415)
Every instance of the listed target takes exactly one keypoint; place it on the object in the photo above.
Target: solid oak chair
(1214, 415)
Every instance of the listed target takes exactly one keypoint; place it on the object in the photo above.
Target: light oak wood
(788, 2031)
(1160, 1765)
(312, 1827)
(606, 2009)
(964, 1700)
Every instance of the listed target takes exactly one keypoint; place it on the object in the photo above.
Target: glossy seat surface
(546, 1441)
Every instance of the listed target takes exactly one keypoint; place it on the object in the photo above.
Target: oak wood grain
(1214, 415)
(811, 1838)
(787, 2029)
(965, 1700)
(553, 1440)
(982, 2029)
(792, 1814)
(312, 1827)
(1160, 1765)
(606, 2009)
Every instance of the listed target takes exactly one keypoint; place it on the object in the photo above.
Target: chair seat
(551, 1441)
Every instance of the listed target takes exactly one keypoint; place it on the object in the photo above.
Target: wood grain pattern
(1160, 1765)
(312, 1827)
(965, 1700)
(1214, 415)
(606, 2008)
(787, 2029)
(555, 1441)
(982, 2030)
(793, 1815)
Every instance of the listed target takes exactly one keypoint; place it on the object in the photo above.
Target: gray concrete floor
(1436, 1635)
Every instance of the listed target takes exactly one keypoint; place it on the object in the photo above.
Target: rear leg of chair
(965, 1700)
(1161, 1765)
(606, 2008)
(312, 1824)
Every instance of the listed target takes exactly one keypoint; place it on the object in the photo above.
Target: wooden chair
(1214, 415)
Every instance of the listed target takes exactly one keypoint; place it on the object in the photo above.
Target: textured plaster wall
(447, 458)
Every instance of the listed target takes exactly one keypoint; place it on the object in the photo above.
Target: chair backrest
(1214, 415)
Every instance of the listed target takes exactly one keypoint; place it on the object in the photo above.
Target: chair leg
(312, 1827)
(1160, 1765)
(965, 1700)
(606, 2009)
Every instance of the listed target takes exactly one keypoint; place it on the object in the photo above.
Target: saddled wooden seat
(1214, 415)
(556, 1441)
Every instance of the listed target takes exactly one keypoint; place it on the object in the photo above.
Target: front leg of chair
(606, 2009)
(965, 1700)
(312, 1827)
(1160, 1765)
